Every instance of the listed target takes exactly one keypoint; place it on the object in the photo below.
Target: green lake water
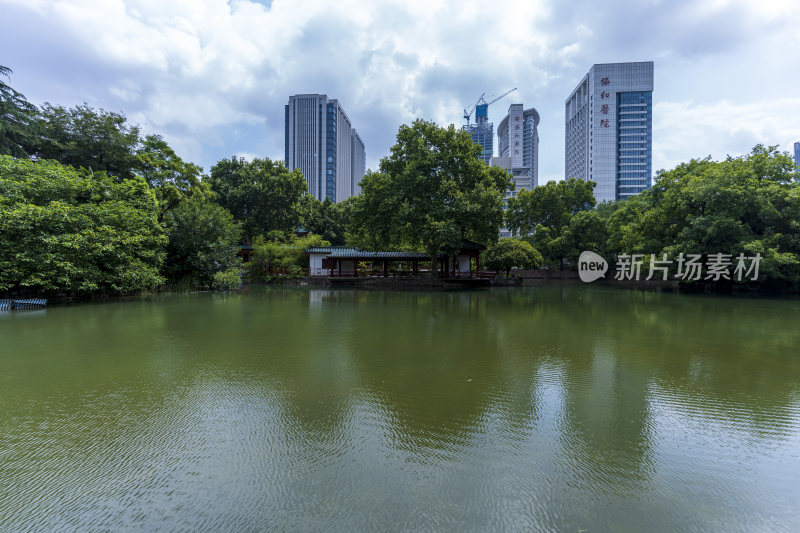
(542, 409)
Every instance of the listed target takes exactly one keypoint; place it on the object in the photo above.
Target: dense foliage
(512, 253)
(83, 137)
(16, 119)
(281, 256)
(744, 205)
(551, 205)
(172, 178)
(263, 194)
(202, 241)
(65, 230)
(748, 204)
(431, 193)
(327, 219)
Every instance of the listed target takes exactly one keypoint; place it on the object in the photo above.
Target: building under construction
(482, 132)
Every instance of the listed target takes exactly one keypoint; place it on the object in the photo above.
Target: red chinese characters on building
(604, 123)
(605, 94)
(605, 81)
(604, 109)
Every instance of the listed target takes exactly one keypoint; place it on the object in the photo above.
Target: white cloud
(213, 76)
(684, 130)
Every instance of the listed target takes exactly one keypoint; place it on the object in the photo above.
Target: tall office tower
(319, 141)
(797, 154)
(518, 140)
(359, 162)
(482, 132)
(609, 129)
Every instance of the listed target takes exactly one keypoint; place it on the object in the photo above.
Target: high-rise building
(518, 145)
(322, 143)
(609, 129)
(518, 140)
(482, 132)
(797, 154)
(359, 163)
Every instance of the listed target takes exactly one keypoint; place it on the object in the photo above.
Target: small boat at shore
(30, 303)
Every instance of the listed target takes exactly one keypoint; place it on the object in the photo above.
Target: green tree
(432, 192)
(84, 137)
(512, 253)
(203, 239)
(550, 205)
(62, 230)
(172, 178)
(281, 255)
(748, 204)
(262, 194)
(587, 231)
(16, 119)
(327, 219)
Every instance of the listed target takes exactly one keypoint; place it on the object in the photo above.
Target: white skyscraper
(609, 129)
(321, 142)
(518, 140)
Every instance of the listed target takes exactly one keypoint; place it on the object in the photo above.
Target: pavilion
(347, 262)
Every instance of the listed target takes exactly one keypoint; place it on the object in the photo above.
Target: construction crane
(482, 102)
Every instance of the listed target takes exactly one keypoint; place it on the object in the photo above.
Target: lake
(559, 408)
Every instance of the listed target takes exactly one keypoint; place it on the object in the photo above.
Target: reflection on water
(554, 408)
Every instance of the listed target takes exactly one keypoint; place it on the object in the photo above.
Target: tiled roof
(329, 249)
(358, 254)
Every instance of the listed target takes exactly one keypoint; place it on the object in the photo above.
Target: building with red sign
(609, 129)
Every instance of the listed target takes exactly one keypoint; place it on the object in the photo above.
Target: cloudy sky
(212, 76)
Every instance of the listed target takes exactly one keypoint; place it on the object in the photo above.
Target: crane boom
(481, 101)
(502, 96)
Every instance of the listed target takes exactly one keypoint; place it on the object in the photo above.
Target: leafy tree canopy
(89, 138)
(263, 194)
(327, 219)
(171, 177)
(432, 192)
(63, 230)
(550, 205)
(203, 239)
(512, 253)
(748, 204)
(16, 119)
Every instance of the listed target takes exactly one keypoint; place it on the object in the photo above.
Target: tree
(587, 231)
(16, 119)
(262, 194)
(431, 193)
(748, 204)
(171, 177)
(63, 230)
(202, 241)
(327, 219)
(281, 255)
(83, 137)
(512, 253)
(551, 205)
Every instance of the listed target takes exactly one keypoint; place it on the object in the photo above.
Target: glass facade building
(609, 129)
(321, 142)
(797, 154)
(482, 132)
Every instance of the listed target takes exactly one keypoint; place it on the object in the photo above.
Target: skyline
(213, 77)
